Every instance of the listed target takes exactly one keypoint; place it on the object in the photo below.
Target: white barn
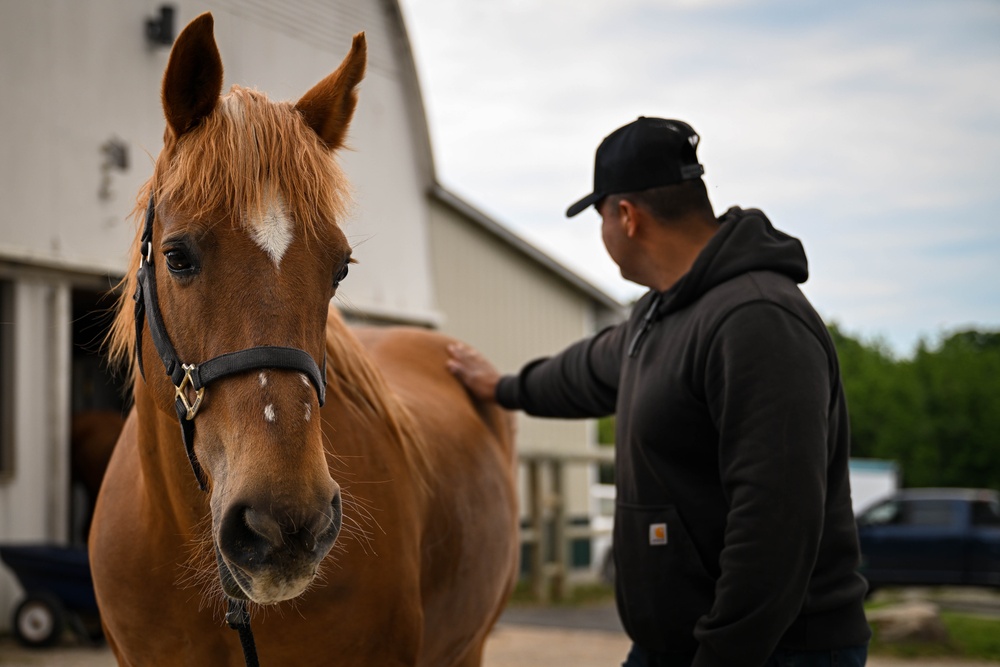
(81, 121)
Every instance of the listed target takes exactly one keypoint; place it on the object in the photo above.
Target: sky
(869, 129)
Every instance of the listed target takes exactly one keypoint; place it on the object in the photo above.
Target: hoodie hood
(746, 241)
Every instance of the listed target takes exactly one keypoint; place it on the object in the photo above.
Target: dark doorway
(99, 404)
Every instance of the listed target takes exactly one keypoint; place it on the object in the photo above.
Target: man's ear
(628, 217)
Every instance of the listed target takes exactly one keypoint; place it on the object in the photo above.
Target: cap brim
(592, 198)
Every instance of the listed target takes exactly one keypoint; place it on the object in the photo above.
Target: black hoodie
(734, 533)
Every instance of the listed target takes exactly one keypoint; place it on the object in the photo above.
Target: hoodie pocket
(662, 586)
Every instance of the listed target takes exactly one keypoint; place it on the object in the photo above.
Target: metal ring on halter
(180, 392)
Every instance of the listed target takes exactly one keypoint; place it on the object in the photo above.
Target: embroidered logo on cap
(657, 534)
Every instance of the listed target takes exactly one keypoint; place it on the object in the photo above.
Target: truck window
(882, 514)
(985, 513)
(927, 513)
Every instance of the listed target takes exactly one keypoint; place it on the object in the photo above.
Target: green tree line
(937, 413)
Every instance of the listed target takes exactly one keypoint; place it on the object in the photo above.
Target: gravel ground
(509, 646)
(535, 636)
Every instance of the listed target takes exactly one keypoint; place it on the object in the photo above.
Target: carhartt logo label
(657, 534)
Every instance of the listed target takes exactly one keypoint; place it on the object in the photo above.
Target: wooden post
(548, 534)
(560, 561)
(537, 575)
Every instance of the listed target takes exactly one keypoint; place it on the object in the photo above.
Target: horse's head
(246, 252)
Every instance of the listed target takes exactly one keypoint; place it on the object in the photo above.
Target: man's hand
(475, 372)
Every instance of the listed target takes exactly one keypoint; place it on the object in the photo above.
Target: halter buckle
(180, 391)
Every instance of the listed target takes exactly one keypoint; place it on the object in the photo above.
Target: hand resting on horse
(474, 370)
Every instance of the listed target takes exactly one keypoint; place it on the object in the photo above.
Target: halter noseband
(195, 377)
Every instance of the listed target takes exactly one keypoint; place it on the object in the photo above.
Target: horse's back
(413, 362)
(469, 541)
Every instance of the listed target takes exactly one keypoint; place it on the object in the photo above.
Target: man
(734, 537)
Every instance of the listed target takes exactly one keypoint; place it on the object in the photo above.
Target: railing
(548, 534)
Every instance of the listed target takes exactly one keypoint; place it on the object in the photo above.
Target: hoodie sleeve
(768, 386)
(581, 381)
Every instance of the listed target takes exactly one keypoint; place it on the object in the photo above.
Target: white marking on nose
(269, 414)
(309, 411)
(305, 380)
(263, 379)
(273, 232)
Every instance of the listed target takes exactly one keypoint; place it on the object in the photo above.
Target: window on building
(6, 377)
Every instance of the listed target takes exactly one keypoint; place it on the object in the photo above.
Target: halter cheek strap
(194, 378)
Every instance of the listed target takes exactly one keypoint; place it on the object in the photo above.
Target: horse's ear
(193, 80)
(329, 106)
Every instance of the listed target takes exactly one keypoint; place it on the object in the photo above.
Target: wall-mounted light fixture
(160, 29)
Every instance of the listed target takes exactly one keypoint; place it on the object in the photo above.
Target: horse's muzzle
(270, 554)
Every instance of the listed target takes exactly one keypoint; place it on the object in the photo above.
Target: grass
(974, 636)
(578, 595)
(970, 637)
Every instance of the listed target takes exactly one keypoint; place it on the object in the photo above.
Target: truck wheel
(38, 620)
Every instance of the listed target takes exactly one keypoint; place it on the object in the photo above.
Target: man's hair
(671, 202)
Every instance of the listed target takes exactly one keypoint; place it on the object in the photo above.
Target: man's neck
(673, 251)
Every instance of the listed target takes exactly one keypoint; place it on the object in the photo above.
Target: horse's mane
(243, 151)
(354, 381)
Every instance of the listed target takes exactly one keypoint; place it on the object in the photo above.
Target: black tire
(39, 620)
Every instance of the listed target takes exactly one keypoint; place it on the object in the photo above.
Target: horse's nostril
(264, 525)
(248, 538)
(323, 525)
(334, 519)
(338, 513)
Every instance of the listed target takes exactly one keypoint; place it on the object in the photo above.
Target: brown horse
(242, 251)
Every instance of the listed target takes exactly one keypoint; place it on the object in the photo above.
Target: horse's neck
(168, 480)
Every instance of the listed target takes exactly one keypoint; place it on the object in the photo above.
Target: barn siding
(512, 310)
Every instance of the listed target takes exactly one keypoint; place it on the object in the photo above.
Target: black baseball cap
(646, 153)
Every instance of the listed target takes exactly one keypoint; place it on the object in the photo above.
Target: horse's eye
(340, 275)
(178, 261)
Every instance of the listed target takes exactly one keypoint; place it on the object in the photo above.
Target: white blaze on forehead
(273, 232)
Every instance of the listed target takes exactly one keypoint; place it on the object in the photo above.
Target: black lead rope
(193, 378)
(238, 619)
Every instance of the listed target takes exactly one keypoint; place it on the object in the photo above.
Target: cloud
(871, 130)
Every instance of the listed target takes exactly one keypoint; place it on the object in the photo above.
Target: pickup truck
(932, 537)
